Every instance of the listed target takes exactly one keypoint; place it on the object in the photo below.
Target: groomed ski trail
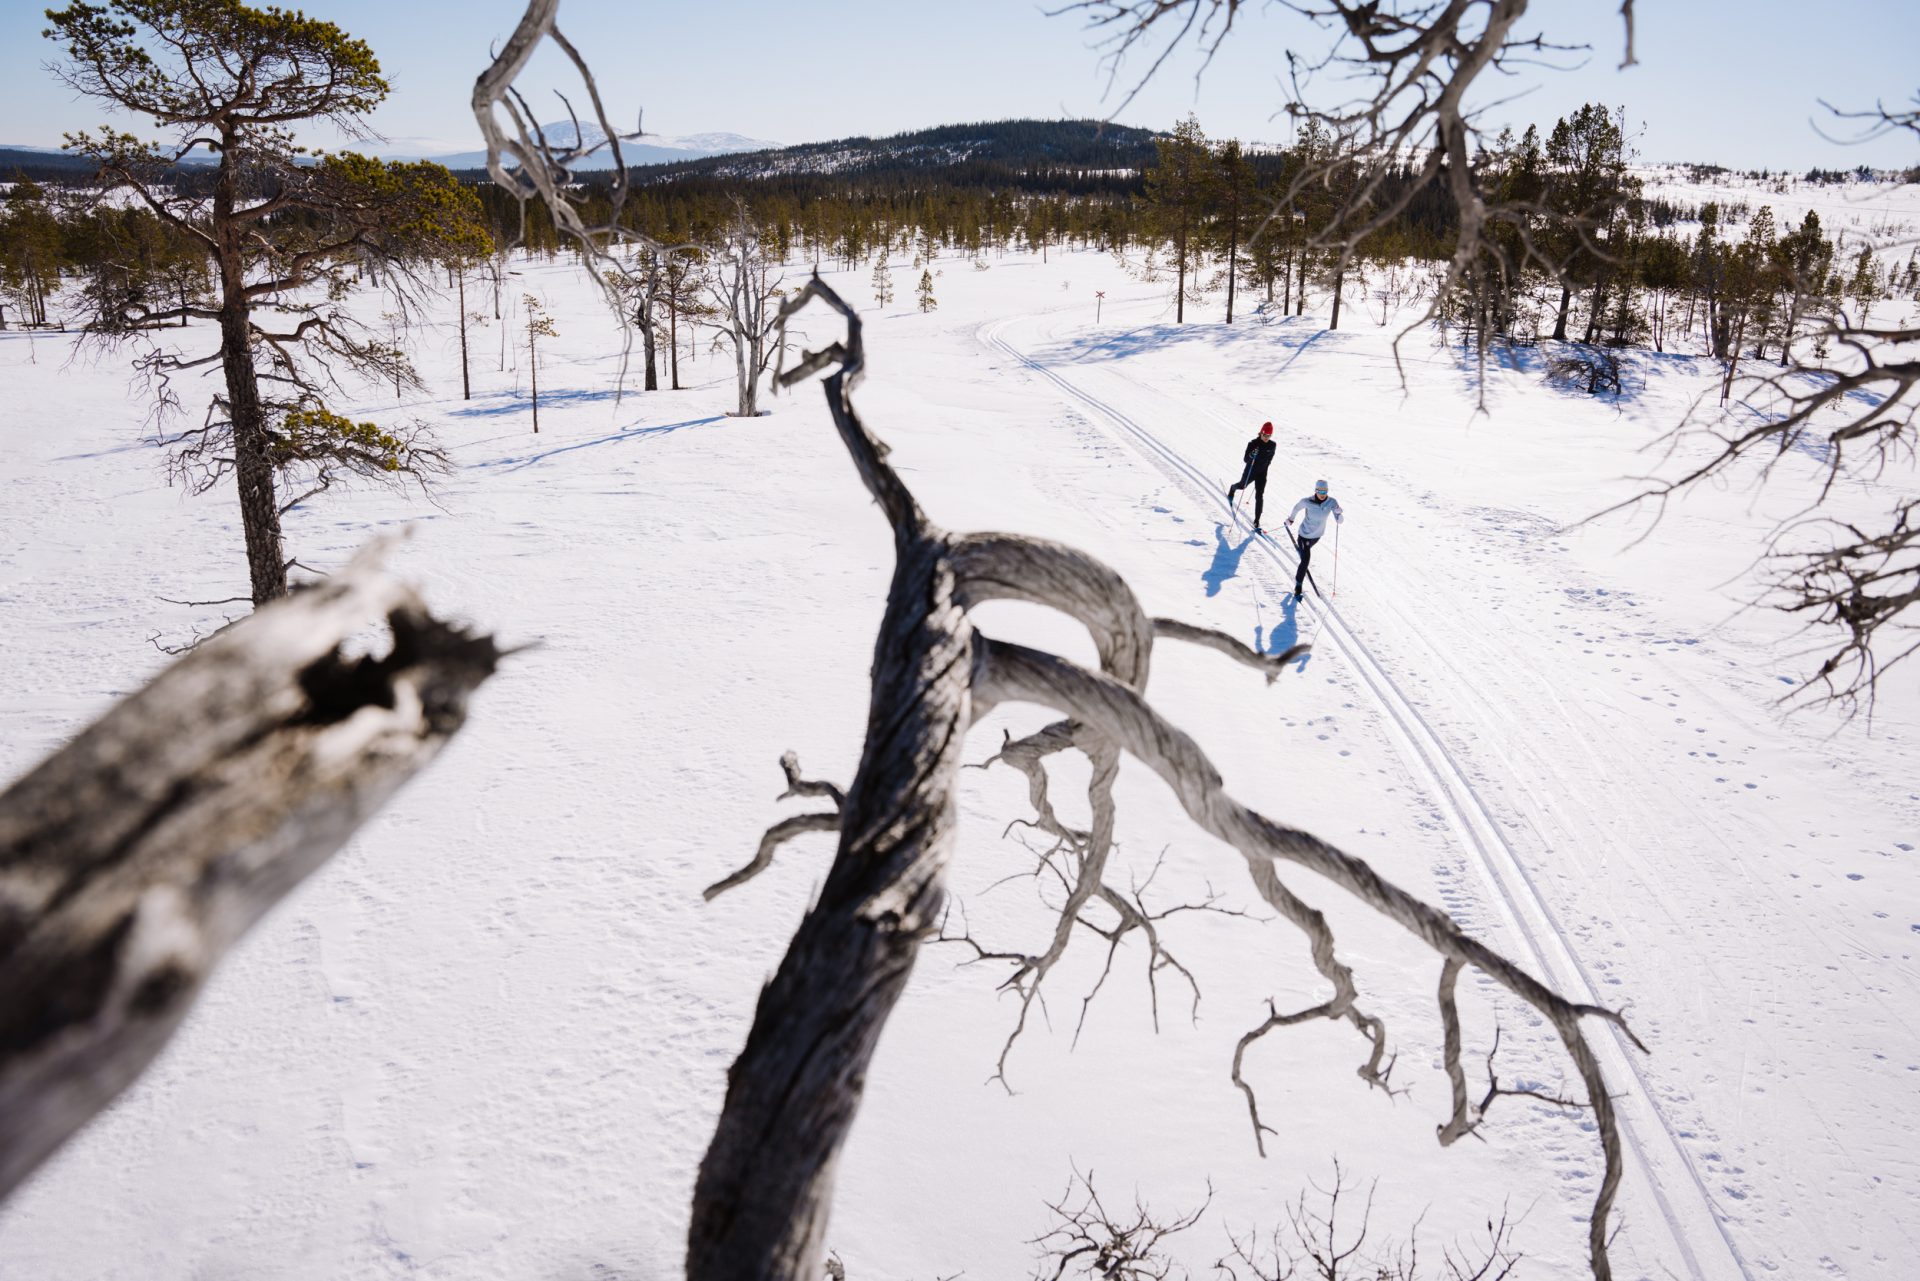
(1702, 1244)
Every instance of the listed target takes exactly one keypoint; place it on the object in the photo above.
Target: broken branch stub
(135, 856)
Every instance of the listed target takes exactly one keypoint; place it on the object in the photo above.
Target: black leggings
(1305, 547)
(1259, 483)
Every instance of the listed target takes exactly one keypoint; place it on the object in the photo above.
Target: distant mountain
(1055, 155)
(43, 164)
(650, 149)
(1009, 147)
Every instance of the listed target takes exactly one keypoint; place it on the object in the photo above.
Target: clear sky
(1722, 81)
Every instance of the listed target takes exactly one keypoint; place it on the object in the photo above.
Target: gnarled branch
(761, 1202)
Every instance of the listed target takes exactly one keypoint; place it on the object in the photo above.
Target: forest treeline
(1591, 257)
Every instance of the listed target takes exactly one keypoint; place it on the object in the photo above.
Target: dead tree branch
(136, 856)
(1321, 1241)
(1089, 1240)
(787, 828)
(1854, 583)
(764, 1190)
(1402, 72)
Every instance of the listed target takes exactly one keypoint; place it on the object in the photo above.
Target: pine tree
(882, 279)
(286, 233)
(1864, 287)
(927, 302)
(539, 325)
(1803, 259)
(1236, 195)
(30, 244)
(1586, 185)
(1180, 188)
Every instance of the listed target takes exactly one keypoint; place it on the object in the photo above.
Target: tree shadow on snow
(519, 461)
(1226, 559)
(1267, 350)
(513, 402)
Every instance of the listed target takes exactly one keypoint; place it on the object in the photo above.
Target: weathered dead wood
(787, 828)
(135, 856)
(764, 1191)
(1009, 672)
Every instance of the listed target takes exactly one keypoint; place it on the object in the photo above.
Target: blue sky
(1735, 83)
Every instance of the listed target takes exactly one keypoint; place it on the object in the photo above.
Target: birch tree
(743, 287)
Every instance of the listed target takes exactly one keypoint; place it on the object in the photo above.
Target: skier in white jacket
(1312, 513)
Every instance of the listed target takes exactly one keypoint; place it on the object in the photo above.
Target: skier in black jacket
(1259, 457)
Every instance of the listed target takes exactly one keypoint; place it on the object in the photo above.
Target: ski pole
(1336, 556)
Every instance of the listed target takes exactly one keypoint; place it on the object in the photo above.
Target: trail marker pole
(1099, 296)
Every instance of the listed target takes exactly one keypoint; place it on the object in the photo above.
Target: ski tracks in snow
(1701, 1243)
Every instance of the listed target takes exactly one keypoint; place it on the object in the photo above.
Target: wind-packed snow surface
(490, 1039)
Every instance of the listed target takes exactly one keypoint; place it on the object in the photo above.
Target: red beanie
(1266, 429)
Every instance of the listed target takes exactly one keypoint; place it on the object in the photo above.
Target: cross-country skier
(1312, 513)
(1258, 457)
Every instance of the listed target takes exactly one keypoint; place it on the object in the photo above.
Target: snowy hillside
(649, 149)
(1006, 147)
(490, 1039)
(1882, 212)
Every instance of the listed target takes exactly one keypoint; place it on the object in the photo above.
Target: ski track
(1672, 1178)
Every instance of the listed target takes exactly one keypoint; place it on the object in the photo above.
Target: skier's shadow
(1226, 559)
(1285, 634)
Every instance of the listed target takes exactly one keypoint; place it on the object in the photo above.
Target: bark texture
(134, 857)
(252, 447)
(765, 1188)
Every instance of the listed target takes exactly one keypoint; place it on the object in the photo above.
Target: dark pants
(1305, 548)
(1259, 482)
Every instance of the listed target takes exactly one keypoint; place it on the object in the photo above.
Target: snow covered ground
(1885, 215)
(489, 1040)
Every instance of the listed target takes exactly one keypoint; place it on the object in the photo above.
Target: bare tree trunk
(673, 342)
(1339, 282)
(792, 1093)
(133, 858)
(1596, 306)
(1733, 358)
(1560, 318)
(466, 383)
(764, 1190)
(1180, 270)
(1233, 254)
(252, 448)
(533, 373)
(643, 317)
(747, 403)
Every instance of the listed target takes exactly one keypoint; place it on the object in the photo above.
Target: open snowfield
(489, 1039)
